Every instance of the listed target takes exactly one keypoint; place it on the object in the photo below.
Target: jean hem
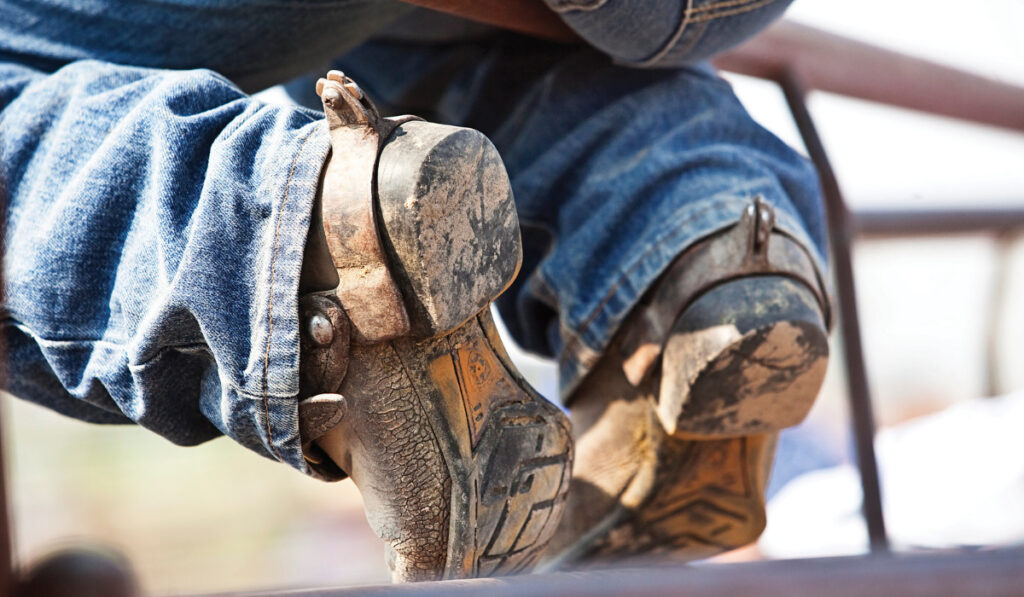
(272, 378)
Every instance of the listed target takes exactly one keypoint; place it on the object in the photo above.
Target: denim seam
(29, 330)
(35, 334)
(270, 301)
(25, 328)
(665, 49)
(699, 14)
(723, 4)
(695, 37)
(728, 13)
(576, 7)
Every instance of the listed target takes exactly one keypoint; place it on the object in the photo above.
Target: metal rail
(840, 65)
(992, 574)
(841, 241)
(929, 222)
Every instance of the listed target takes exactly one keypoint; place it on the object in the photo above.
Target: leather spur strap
(366, 289)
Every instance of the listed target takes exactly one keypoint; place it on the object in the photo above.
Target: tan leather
(463, 468)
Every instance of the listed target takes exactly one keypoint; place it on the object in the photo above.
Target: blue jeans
(156, 217)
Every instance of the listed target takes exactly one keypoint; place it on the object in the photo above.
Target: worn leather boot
(676, 424)
(463, 468)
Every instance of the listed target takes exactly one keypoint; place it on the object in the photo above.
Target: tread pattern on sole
(707, 498)
(520, 453)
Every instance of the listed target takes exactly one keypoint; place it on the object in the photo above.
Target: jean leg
(253, 43)
(616, 171)
(666, 33)
(155, 224)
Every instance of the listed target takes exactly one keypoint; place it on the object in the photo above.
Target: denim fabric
(155, 227)
(615, 171)
(666, 33)
(155, 217)
(255, 43)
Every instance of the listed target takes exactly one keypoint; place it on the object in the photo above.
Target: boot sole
(468, 467)
(726, 375)
(448, 222)
(707, 497)
(509, 453)
(731, 377)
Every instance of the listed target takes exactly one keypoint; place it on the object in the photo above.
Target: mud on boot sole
(448, 222)
(747, 357)
(463, 468)
(519, 445)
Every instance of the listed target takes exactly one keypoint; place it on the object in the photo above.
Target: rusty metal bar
(841, 239)
(930, 222)
(989, 573)
(837, 64)
(997, 307)
(1004, 226)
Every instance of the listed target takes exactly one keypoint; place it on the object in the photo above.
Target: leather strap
(367, 290)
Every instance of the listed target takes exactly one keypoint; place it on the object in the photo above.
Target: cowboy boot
(463, 468)
(677, 423)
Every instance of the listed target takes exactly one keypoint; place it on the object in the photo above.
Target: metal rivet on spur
(320, 329)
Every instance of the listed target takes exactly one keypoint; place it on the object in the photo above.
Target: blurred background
(217, 518)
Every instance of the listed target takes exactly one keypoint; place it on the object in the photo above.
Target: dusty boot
(463, 468)
(676, 424)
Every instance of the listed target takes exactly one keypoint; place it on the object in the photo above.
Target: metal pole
(845, 66)
(997, 307)
(841, 238)
(901, 223)
(988, 573)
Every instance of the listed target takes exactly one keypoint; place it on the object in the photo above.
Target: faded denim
(666, 33)
(156, 214)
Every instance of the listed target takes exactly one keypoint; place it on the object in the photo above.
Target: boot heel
(747, 357)
(448, 223)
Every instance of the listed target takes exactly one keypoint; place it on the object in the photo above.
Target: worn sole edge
(404, 204)
(452, 435)
(782, 366)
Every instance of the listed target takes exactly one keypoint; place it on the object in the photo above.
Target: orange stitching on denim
(733, 12)
(694, 15)
(717, 5)
(684, 23)
(586, 6)
(270, 303)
